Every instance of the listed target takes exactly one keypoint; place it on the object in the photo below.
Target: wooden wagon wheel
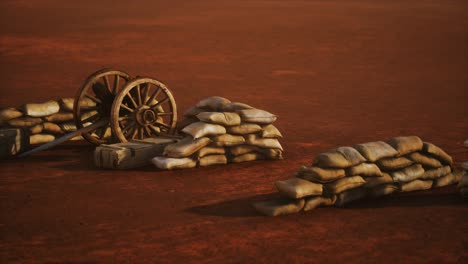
(144, 108)
(93, 103)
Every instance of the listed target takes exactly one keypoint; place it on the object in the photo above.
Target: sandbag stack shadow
(370, 170)
(218, 131)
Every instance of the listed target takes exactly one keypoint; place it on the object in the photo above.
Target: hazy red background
(336, 72)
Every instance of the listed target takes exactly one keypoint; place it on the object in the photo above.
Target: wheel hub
(146, 116)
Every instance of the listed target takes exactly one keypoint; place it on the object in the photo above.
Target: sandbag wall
(463, 185)
(218, 131)
(374, 169)
(45, 122)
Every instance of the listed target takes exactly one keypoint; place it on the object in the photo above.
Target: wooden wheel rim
(136, 114)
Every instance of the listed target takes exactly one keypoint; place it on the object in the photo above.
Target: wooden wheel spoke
(96, 100)
(102, 132)
(122, 118)
(106, 82)
(145, 98)
(127, 108)
(135, 131)
(90, 119)
(127, 128)
(140, 133)
(148, 131)
(132, 100)
(159, 103)
(155, 93)
(162, 125)
(116, 84)
(164, 114)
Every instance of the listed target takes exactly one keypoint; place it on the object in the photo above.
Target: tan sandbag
(424, 160)
(87, 115)
(463, 181)
(185, 122)
(374, 151)
(390, 164)
(382, 190)
(244, 129)
(449, 179)
(212, 160)
(405, 145)
(24, 121)
(408, 174)
(279, 206)
(318, 201)
(40, 110)
(68, 127)
(77, 138)
(165, 163)
(202, 129)
(436, 173)
(248, 157)
(298, 188)
(256, 116)
(344, 184)
(342, 157)
(243, 149)
(372, 182)
(220, 118)
(255, 140)
(233, 107)
(211, 151)
(214, 103)
(349, 196)
(364, 170)
(8, 114)
(270, 131)
(52, 128)
(438, 153)
(41, 139)
(352, 155)
(60, 117)
(228, 140)
(37, 129)
(416, 185)
(66, 104)
(318, 174)
(193, 111)
(272, 154)
(185, 147)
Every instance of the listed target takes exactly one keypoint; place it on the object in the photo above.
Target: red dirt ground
(336, 72)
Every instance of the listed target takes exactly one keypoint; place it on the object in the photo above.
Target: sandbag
(211, 151)
(449, 179)
(193, 111)
(349, 196)
(66, 104)
(318, 201)
(68, 127)
(41, 139)
(424, 160)
(254, 140)
(320, 175)
(272, 154)
(37, 129)
(8, 114)
(185, 147)
(52, 128)
(405, 145)
(24, 121)
(372, 182)
(228, 140)
(298, 188)
(87, 116)
(270, 131)
(220, 118)
(201, 129)
(59, 117)
(416, 185)
(256, 116)
(212, 160)
(436, 173)
(344, 184)
(279, 206)
(342, 157)
(185, 122)
(374, 151)
(364, 170)
(243, 129)
(382, 190)
(165, 163)
(437, 152)
(214, 103)
(248, 157)
(243, 149)
(390, 164)
(40, 110)
(233, 107)
(408, 174)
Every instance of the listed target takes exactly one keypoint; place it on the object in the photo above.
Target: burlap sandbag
(165, 163)
(405, 145)
(93, 115)
(52, 128)
(212, 160)
(438, 153)
(449, 179)
(342, 157)
(37, 129)
(228, 140)
(24, 121)
(463, 181)
(194, 111)
(255, 140)
(244, 129)
(211, 151)
(349, 196)
(185, 147)
(372, 182)
(40, 110)
(436, 173)
(344, 184)
(220, 118)
(256, 116)
(424, 160)
(272, 154)
(408, 174)
(416, 185)
(364, 170)
(298, 188)
(243, 149)
(214, 103)
(202, 129)
(248, 157)
(279, 206)
(382, 190)
(270, 131)
(318, 201)
(391, 164)
(66, 104)
(233, 107)
(68, 127)
(181, 124)
(318, 174)
(41, 139)
(374, 151)
(60, 117)
(8, 114)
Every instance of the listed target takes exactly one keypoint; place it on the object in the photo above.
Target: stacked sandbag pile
(374, 169)
(463, 185)
(46, 121)
(218, 131)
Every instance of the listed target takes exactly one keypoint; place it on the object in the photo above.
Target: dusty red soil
(336, 72)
